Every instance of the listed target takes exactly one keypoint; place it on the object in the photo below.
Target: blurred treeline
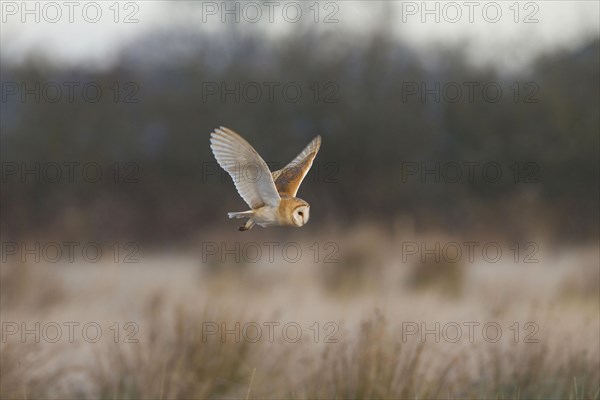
(369, 134)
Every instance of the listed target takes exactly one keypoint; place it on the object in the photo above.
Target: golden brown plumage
(288, 179)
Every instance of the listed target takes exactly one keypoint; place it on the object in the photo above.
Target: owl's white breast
(266, 216)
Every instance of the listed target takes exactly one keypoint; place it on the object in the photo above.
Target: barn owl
(271, 196)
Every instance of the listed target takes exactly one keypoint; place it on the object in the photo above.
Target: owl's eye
(300, 213)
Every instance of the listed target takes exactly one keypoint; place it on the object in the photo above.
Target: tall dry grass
(368, 295)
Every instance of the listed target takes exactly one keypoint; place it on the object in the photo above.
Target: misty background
(363, 90)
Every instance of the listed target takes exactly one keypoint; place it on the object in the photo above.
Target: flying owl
(271, 196)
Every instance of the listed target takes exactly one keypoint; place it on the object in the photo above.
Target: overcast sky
(506, 33)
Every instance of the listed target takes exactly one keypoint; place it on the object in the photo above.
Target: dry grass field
(377, 323)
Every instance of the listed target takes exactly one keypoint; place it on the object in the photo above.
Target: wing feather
(288, 179)
(250, 173)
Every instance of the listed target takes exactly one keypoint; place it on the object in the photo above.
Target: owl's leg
(248, 225)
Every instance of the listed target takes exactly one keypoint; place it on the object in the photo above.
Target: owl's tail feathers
(244, 214)
(241, 214)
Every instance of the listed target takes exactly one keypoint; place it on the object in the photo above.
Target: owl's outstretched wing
(250, 174)
(289, 178)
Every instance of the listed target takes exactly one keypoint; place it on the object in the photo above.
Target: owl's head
(293, 211)
(301, 214)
